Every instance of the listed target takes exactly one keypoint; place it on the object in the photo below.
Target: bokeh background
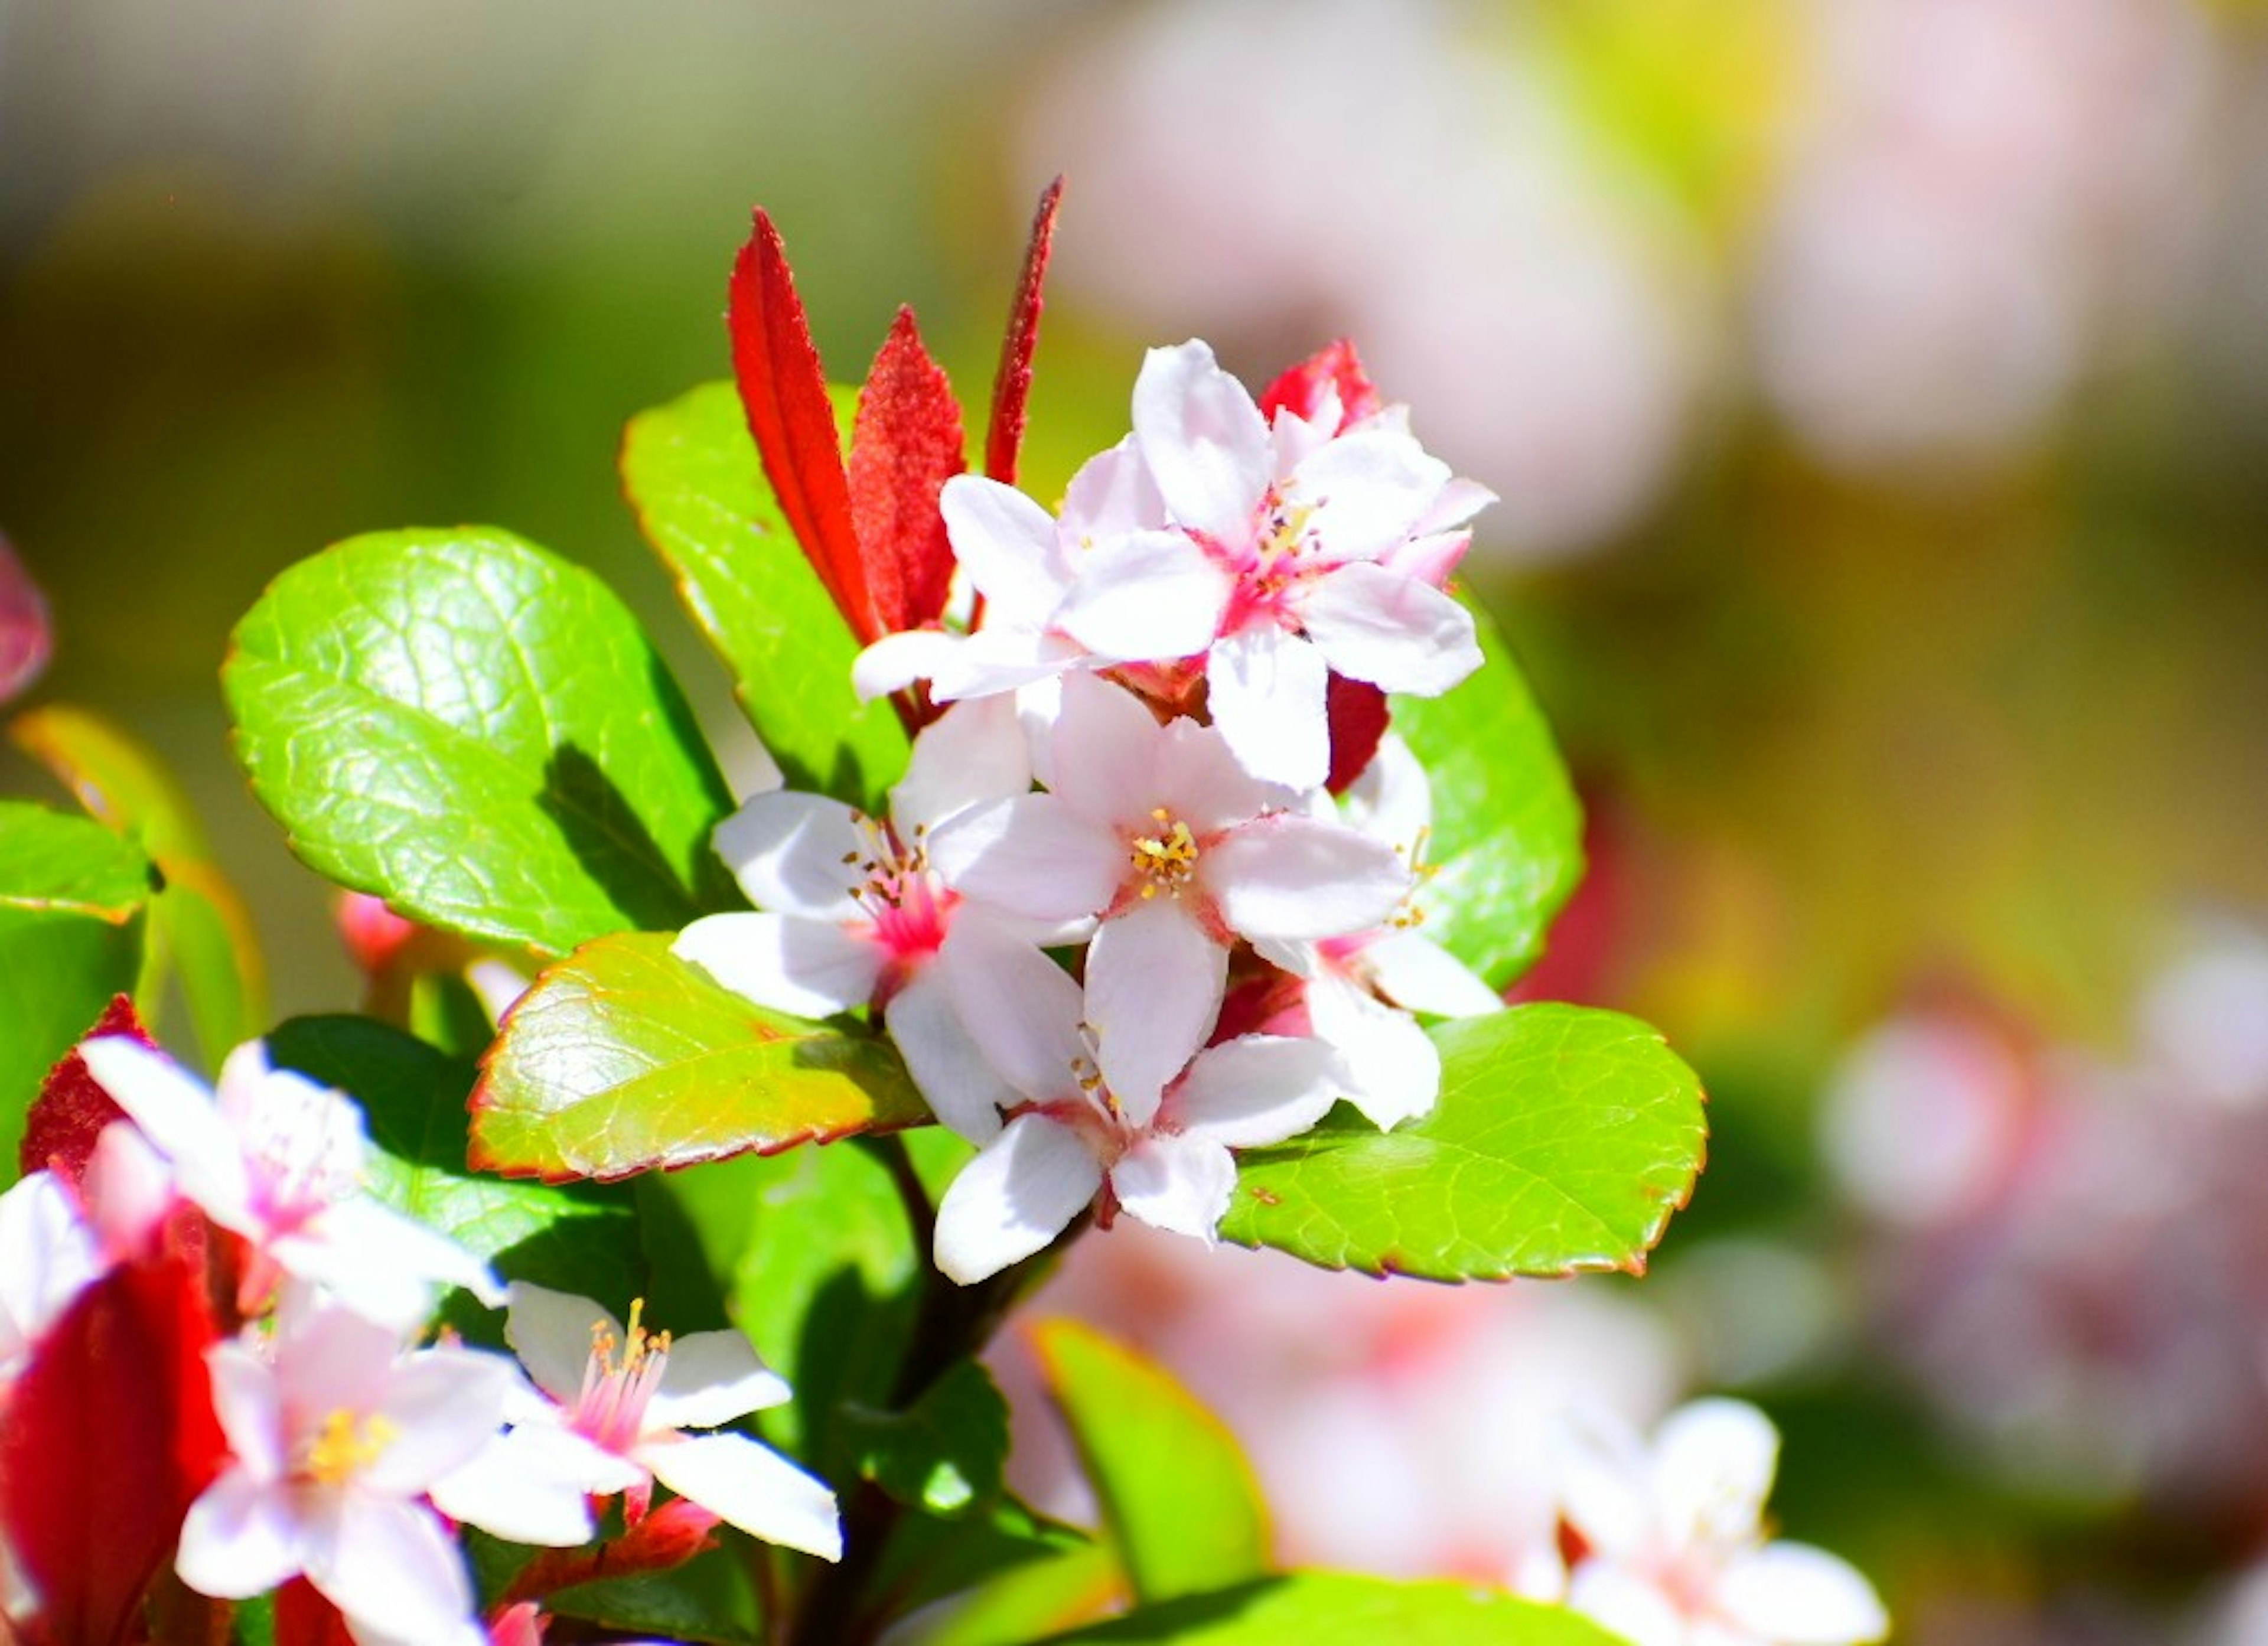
(1877, 392)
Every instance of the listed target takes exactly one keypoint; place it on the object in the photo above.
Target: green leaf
(1562, 1140)
(1340, 1609)
(476, 731)
(1180, 1501)
(580, 1237)
(623, 1057)
(199, 925)
(708, 1598)
(1506, 846)
(692, 473)
(944, 1452)
(71, 900)
(1033, 1598)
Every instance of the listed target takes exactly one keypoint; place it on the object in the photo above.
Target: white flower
(1159, 832)
(1327, 545)
(1674, 1550)
(276, 1158)
(1167, 1163)
(1360, 990)
(851, 912)
(47, 1256)
(630, 1394)
(336, 1436)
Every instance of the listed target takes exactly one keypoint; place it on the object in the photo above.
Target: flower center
(301, 1160)
(618, 1380)
(899, 894)
(1166, 861)
(346, 1442)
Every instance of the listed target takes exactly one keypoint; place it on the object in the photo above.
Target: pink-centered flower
(277, 1159)
(631, 1394)
(1671, 1541)
(850, 911)
(337, 1438)
(1166, 1160)
(1161, 833)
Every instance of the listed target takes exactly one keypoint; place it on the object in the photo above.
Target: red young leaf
(105, 1439)
(25, 634)
(304, 1618)
(784, 391)
(660, 1540)
(1301, 388)
(907, 444)
(70, 1110)
(1012, 387)
(1357, 715)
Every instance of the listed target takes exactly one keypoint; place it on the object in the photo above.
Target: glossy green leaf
(1564, 1139)
(476, 731)
(944, 1452)
(623, 1057)
(199, 925)
(1507, 841)
(691, 472)
(1340, 1609)
(72, 898)
(1034, 1599)
(1180, 1501)
(709, 1598)
(578, 1238)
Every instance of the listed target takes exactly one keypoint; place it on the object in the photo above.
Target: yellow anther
(1166, 859)
(346, 1443)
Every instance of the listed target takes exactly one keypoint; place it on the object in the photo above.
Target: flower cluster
(313, 1431)
(1160, 755)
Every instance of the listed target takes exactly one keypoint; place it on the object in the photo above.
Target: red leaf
(1357, 714)
(304, 1618)
(70, 1110)
(1300, 389)
(1012, 386)
(106, 1440)
(27, 638)
(784, 391)
(907, 444)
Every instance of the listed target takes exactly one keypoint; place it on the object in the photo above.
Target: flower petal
(1006, 544)
(1032, 855)
(1019, 1007)
(1369, 489)
(551, 1333)
(896, 661)
(975, 752)
(177, 1113)
(239, 1537)
(1266, 689)
(1179, 1184)
(1713, 1462)
(1018, 1194)
(1113, 492)
(1257, 1090)
(533, 1484)
(1794, 1595)
(788, 962)
(381, 1263)
(1413, 971)
(1104, 751)
(249, 1403)
(394, 1573)
(46, 1255)
(1625, 1603)
(752, 1487)
(1148, 595)
(1204, 440)
(787, 851)
(962, 1088)
(1291, 876)
(1154, 981)
(1394, 1070)
(443, 1405)
(711, 1377)
(1398, 634)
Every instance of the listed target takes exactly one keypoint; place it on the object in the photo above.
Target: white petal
(1626, 1604)
(787, 962)
(1006, 543)
(1004, 657)
(1257, 1090)
(1032, 855)
(1265, 689)
(1394, 1072)
(1201, 781)
(963, 1090)
(1794, 1595)
(177, 1113)
(1369, 489)
(249, 1403)
(1603, 1481)
(975, 752)
(787, 849)
(1113, 492)
(1019, 1007)
(1153, 988)
(128, 1188)
(394, 1573)
(1204, 440)
(532, 1485)
(1712, 1468)
(381, 1263)
(1013, 1198)
(1105, 751)
(752, 1487)
(47, 1256)
(712, 1377)
(328, 1356)
(1179, 1184)
(443, 1407)
(551, 1333)
(1149, 595)
(1296, 877)
(1393, 798)
(1412, 970)
(239, 1540)
(896, 661)
(1398, 634)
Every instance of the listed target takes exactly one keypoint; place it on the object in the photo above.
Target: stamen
(1164, 861)
(347, 1444)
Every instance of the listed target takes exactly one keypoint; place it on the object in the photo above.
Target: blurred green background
(1877, 391)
